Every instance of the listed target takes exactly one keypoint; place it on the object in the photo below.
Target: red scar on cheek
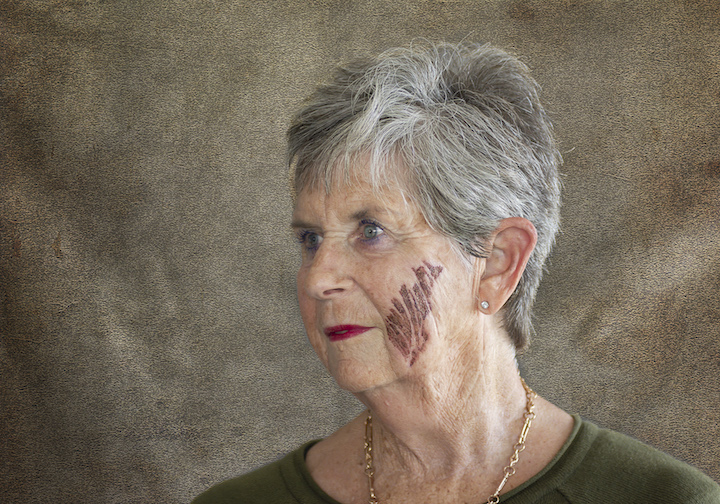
(405, 324)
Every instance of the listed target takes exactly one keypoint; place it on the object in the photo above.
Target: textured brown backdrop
(151, 343)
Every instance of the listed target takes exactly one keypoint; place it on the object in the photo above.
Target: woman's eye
(371, 231)
(313, 240)
(309, 240)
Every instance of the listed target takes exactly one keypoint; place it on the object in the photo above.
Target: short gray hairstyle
(464, 124)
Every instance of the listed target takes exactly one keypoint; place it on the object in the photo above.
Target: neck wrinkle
(465, 417)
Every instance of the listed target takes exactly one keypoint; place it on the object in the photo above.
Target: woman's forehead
(360, 176)
(351, 197)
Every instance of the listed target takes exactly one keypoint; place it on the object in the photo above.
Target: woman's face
(381, 294)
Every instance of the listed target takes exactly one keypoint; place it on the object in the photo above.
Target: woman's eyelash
(301, 235)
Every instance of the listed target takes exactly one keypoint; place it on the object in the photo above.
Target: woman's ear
(510, 247)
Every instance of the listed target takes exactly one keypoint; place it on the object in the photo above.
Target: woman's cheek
(309, 317)
(405, 322)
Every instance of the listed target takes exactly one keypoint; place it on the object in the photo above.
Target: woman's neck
(442, 434)
(457, 414)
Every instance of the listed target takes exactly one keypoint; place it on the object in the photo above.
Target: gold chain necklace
(508, 470)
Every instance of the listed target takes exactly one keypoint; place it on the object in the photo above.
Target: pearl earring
(485, 305)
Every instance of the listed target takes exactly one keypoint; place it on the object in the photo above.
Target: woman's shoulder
(282, 481)
(608, 447)
(601, 465)
(635, 464)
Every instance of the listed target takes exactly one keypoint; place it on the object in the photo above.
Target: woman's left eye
(370, 231)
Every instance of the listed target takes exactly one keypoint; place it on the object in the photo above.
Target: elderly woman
(427, 200)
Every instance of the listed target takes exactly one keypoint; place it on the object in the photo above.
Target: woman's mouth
(342, 332)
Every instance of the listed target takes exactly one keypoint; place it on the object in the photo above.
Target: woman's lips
(342, 332)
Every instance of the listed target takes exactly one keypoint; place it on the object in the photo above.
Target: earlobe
(510, 246)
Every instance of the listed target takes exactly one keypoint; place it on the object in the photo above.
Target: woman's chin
(357, 377)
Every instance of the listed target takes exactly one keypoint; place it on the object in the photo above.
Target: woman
(427, 200)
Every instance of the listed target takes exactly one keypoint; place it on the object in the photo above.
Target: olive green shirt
(595, 466)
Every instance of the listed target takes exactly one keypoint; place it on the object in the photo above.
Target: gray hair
(463, 125)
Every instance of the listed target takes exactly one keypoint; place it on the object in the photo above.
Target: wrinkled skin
(371, 260)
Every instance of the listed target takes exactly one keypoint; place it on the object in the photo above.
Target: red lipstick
(342, 332)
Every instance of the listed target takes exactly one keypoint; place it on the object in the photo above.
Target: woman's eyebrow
(299, 224)
(366, 213)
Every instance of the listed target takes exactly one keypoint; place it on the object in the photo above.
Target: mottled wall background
(151, 343)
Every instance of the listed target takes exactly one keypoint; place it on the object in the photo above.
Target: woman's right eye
(309, 240)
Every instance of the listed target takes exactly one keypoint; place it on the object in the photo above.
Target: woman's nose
(328, 275)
